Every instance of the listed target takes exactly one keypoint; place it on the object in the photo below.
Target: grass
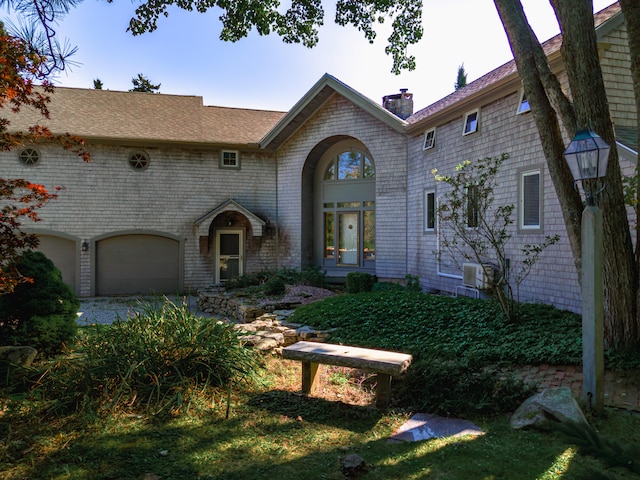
(273, 432)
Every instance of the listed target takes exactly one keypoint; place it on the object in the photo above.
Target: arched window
(350, 165)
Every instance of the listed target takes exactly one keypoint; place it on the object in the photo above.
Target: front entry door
(229, 255)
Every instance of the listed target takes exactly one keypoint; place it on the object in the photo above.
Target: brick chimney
(400, 104)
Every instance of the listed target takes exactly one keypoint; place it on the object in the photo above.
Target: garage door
(132, 264)
(62, 252)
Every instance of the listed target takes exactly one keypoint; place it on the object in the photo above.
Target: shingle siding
(106, 197)
(340, 117)
(501, 131)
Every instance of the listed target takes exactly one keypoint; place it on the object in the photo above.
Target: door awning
(257, 224)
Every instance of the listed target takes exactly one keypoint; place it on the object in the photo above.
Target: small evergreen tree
(143, 84)
(41, 314)
(461, 81)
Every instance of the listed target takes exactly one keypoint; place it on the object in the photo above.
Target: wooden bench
(384, 364)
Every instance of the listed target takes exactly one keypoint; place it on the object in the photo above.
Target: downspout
(277, 215)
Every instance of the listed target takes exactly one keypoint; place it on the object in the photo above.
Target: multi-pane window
(229, 159)
(349, 220)
(351, 165)
(429, 139)
(530, 211)
(429, 210)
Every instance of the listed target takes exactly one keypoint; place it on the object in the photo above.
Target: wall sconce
(85, 245)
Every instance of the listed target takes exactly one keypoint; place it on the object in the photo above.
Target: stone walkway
(621, 389)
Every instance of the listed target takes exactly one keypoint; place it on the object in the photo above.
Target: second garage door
(133, 264)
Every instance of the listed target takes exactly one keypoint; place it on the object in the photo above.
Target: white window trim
(232, 167)
(466, 118)
(426, 144)
(425, 202)
(522, 173)
(521, 99)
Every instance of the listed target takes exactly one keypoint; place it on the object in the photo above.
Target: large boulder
(549, 403)
(21, 356)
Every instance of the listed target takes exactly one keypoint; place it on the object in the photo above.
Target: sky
(185, 56)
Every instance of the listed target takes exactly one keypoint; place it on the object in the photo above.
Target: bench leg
(309, 377)
(383, 390)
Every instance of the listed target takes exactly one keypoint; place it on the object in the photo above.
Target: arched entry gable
(331, 205)
(257, 224)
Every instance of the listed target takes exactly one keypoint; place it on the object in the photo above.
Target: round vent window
(139, 161)
(29, 156)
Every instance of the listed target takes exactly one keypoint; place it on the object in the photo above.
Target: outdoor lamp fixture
(85, 246)
(588, 156)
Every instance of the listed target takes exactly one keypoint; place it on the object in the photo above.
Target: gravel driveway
(106, 309)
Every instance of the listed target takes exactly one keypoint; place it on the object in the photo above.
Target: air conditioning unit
(475, 275)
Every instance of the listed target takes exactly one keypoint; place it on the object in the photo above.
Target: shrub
(312, 276)
(387, 286)
(459, 387)
(359, 282)
(41, 314)
(275, 286)
(413, 283)
(160, 360)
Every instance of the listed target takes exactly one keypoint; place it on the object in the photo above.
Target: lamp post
(588, 156)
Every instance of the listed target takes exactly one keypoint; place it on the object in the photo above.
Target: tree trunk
(631, 11)
(590, 111)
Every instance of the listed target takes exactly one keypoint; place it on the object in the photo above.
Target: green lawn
(273, 432)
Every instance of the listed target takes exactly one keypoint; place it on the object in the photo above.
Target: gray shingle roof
(501, 73)
(135, 116)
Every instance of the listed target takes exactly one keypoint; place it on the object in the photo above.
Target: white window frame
(522, 174)
(429, 140)
(466, 127)
(425, 201)
(522, 109)
(236, 165)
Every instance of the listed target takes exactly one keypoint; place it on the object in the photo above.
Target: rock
(556, 401)
(353, 466)
(22, 356)
(266, 344)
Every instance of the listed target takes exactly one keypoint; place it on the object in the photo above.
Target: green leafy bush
(312, 276)
(41, 314)
(160, 360)
(359, 282)
(459, 387)
(387, 286)
(413, 283)
(275, 286)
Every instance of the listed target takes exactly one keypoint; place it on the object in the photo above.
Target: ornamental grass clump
(159, 361)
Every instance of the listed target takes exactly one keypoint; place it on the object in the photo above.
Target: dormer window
(523, 104)
(429, 139)
(471, 121)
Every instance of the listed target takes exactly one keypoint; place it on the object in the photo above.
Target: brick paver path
(621, 389)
